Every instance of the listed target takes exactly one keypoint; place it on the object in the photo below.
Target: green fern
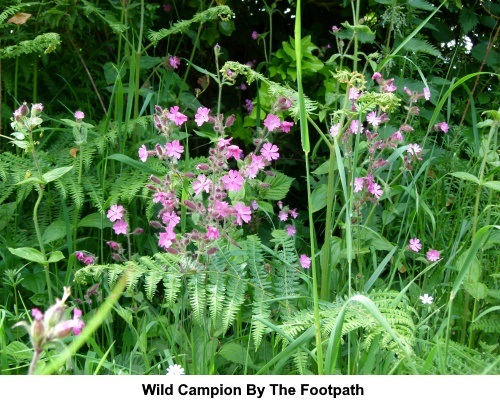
(42, 43)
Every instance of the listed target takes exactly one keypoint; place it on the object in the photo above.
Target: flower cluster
(415, 246)
(52, 325)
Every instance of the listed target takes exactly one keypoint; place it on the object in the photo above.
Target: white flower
(426, 299)
(175, 369)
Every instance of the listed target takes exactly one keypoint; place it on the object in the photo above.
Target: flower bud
(230, 120)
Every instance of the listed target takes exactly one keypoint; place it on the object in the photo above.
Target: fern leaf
(44, 42)
(418, 45)
(197, 296)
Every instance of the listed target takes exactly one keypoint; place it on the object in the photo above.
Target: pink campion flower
(335, 29)
(37, 314)
(63, 329)
(36, 108)
(160, 197)
(415, 245)
(443, 126)
(334, 130)
(177, 117)
(243, 86)
(255, 35)
(223, 143)
(427, 93)
(222, 209)
(233, 181)
(254, 167)
(305, 261)
(166, 238)
(286, 126)
(79, 115)
(270, 152)
(353, 94)
(255, 205)
(143, 153)
(113, 245)
(374, 188)
(373, 119)
(356, 126)
(115, 212)
(174, 149)
(243, 213)
(174, 62)
(212, 233)
(234, 151)
(290, 230)
(272, 122)
(201, 183)
(377, 77)
(120, 227)
(433, 255)
(414, 149)
(202, 115)
(170, 219)
(293, 213)
(358, 184)
(397, 137)
(283, 215)
(389, 86)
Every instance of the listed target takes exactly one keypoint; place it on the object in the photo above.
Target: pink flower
(375, 189)
(249, 105)
(175, 116)
(221, 209)
(174, 149)
(397, 136)
(234, 151)
(355, 126)
(222, 143)
(78, 324)
(293, 213)
(305, 261)
(243, 87)
(286, 126)
(334, 130)
(120, 227)
(254, 167)
(201, 183)
(79, 115)
(290, 230)
(143, 153)
(270, 151)
(202, 115)
(415, 245)
(115, 212)
(443, 126)
(272, 122)
(335, 29)
(373, 119)
(170, 219)
(353, 94)
(233, 181)
(255, 205)
(377, 77)
(243, 213)
(255, 35)
(427, 93)
(433, 255)
(212, 233)
(283, 215)
(358, 184)
(160, 197)
(166, 238)
(174, 62)
(37, 314)
(414, 149)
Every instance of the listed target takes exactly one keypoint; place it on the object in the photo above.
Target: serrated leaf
(279, 186)
(467, 19)
(418, 45)
(56, 173)
(466, 176)
(27, 253)
(421, 4)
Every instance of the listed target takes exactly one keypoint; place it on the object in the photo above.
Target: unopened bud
(156, 224)
(230, 120)
(154, 179)
(203, 166)
(190, 205)
(212, 250)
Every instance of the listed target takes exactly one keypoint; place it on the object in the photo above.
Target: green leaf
(318, 197)
(55, 231)
(478, 290)
(6, 213)
(30, 254)
(280, 185)
(466, 176)
(226, 28)
(467, 19)
(56, 256)
(494, 185)
(136, 164)
(94, 220)
(236, 353)
(32, 179)
(421, 4)
(19, 351)
(56, 173)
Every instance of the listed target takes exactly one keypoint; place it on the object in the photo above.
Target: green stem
(40, 242)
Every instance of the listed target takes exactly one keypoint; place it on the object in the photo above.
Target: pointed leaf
(56, 173)
(29, 254)
(56, 256)
(466, 176)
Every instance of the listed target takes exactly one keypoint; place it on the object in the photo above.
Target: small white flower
(175, 369)
(426, 299)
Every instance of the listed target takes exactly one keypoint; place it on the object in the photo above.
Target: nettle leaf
(421, 4)
(467, 19)
(279, 186)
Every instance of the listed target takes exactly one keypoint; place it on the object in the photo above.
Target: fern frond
(105, 16)
(182, 26)
(43, 42)
(418, 45)
(216, 294)
(197, 296)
